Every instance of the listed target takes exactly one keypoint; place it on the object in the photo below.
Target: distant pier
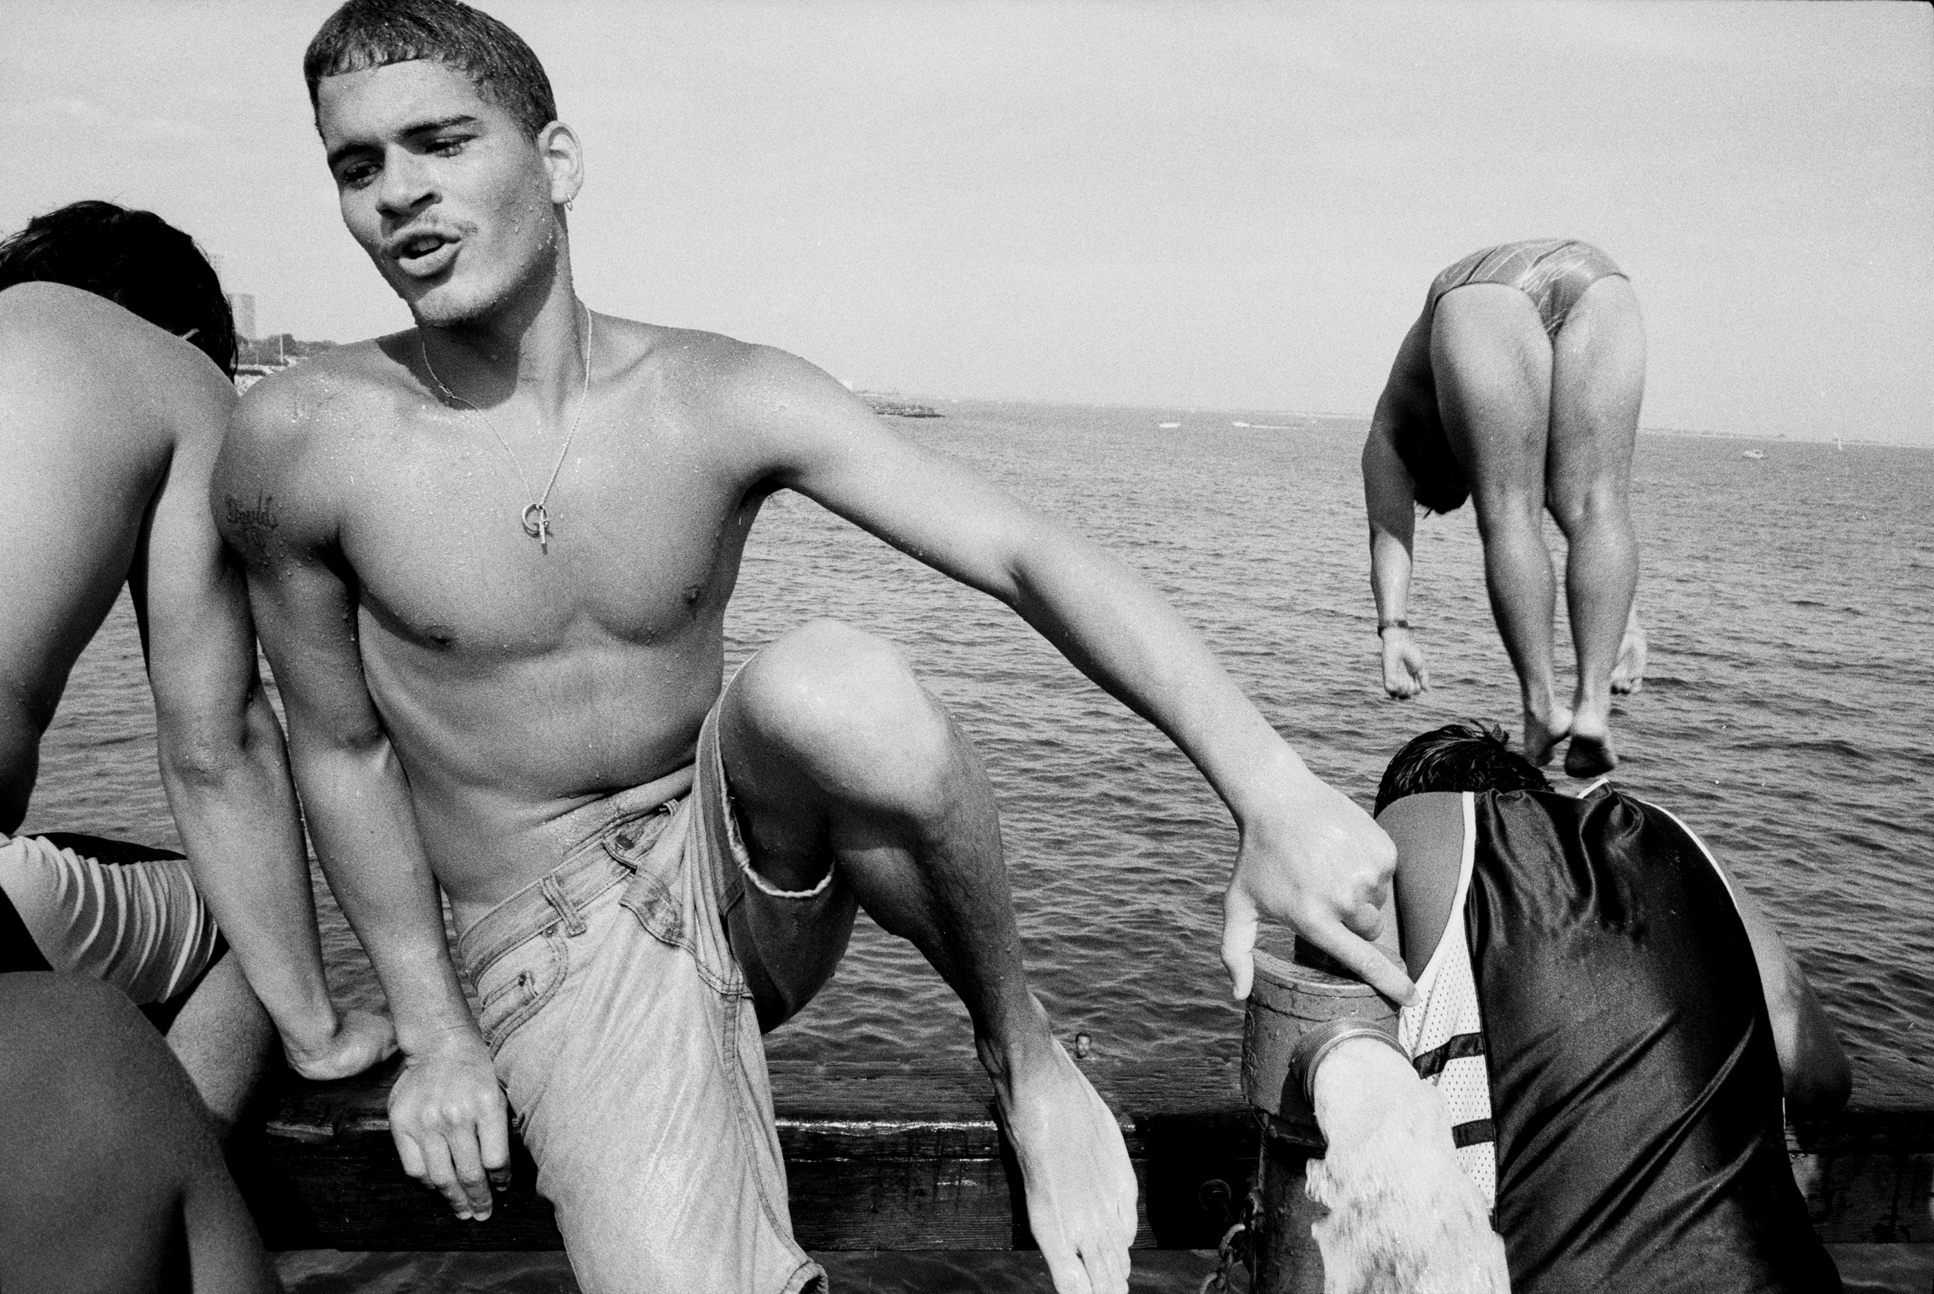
(894, 407)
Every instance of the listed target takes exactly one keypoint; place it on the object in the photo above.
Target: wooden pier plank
(913, 1159)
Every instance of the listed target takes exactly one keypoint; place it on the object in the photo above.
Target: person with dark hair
(377, 33)
(490, 558)
(135, 259)
(1458, 757)
(110, 423)
(1518, 387)
(1612, 1022)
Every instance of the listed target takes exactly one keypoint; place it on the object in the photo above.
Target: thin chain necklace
(535, 517)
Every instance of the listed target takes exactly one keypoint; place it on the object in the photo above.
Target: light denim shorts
(626, 1039)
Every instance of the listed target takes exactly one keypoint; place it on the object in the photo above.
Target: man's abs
(496, 757)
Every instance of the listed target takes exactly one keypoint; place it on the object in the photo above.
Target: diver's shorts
(627, 1041)
(113, 911)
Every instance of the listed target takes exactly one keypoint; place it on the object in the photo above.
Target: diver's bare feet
(1628, 671)
(1590, 753)
(1542, 733)
(1080, 1186)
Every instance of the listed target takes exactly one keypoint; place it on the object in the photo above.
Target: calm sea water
(1790, 606)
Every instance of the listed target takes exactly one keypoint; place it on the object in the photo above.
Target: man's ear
(564, 158)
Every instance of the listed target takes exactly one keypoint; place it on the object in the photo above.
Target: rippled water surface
(1789, 601)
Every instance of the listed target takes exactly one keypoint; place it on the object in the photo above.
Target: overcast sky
(1217, 204)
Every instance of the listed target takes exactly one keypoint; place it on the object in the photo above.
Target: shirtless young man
(110, 423)
(1519, 386)
(490, 559)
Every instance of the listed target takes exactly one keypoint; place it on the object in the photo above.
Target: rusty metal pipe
(1290, 1005)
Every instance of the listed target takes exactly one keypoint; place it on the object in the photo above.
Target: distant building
(243, 306)
(257, 357)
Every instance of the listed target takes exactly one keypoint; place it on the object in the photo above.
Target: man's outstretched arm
(447, 1113)
(222, 758)
(1308, 856)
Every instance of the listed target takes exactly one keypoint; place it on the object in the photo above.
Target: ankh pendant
(537, 524)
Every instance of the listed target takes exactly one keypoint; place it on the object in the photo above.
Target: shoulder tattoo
(252, 524)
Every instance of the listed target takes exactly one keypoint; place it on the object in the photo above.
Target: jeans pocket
(630, 843)
(513, 988)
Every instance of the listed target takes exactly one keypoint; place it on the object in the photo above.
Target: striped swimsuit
(1553, 272)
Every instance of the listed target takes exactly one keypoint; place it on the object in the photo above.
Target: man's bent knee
(827, 692)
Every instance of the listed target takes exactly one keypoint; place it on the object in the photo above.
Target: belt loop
(553, 891)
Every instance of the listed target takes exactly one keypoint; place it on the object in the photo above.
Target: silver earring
(568, 202)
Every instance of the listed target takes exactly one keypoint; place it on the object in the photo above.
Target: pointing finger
(1239, 923)
(1365, 961)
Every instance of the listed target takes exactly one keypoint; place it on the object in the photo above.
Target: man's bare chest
(640, 539)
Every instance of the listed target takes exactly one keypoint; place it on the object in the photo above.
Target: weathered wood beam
(1868, 1175)
(904, 1159)
(913, 1159)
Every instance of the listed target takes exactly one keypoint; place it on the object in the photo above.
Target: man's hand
(361, 1039)
(1404, 673)
(448, 1117)
(1320, 865)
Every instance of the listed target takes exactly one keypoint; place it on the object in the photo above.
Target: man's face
(448, 194)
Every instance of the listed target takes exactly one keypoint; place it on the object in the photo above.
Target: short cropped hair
(375, 33)
(1436, 477)
(135, 259)
(1458, 757)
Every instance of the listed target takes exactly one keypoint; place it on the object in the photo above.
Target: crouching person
(1613, 1023)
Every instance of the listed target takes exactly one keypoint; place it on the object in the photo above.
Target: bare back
(513, 684)
(94, 406)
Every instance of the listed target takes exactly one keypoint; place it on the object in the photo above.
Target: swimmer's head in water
(1458, 757)
(1436, 477)
(133, 258)
(376, 33)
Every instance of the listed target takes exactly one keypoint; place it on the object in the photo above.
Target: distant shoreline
(895, 405)
(1261, 419)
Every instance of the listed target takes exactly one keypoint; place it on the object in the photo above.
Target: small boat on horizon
(1168, 426)
(1752, 454)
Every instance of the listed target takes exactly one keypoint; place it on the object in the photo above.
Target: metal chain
(537, 526)
(1238, 1245)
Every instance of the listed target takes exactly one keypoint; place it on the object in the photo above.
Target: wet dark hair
(375, 33)
(1458, 757)
(135, 259)
(1436, 477)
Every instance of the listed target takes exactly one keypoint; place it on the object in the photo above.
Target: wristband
(1391, 624)
(1314, 1047)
